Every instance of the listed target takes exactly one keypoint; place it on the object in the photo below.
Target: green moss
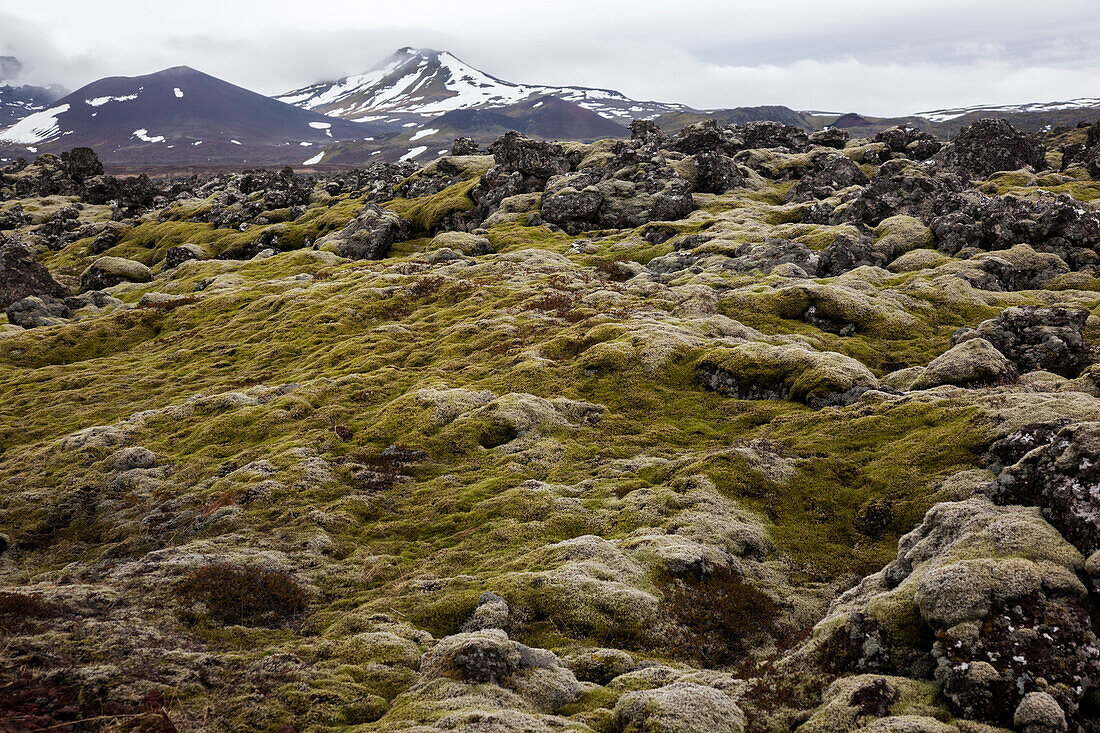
(427, 212)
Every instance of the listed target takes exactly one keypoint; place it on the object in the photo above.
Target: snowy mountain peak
(430, 83)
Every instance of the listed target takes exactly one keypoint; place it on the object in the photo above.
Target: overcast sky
(879, 57)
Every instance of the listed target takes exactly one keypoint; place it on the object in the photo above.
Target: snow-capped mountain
(429, 83)
(945, 115)
(19, 100)
(177, 116)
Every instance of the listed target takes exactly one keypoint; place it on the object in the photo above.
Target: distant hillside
(178, 116)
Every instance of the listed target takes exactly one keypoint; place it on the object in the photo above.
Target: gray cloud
(868, 55)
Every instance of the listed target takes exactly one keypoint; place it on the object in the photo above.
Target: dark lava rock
(465, 146)
(910, 141)
(830, 137)
(21, 274)
(1016, 445)
(768, 134)
(626, 194)
(990, 145)
(647, 133)
(14, 218)
(370, 234)
(514, 152)
(705, 136)
(1062, 478)
(34, 311)
(81, 164)
(716, 173)
(1036, 338)
(830, 173)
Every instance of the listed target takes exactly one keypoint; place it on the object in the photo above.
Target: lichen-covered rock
(831, 172)
(988, 598)
(1037, 338)
(760, 371)
(176, 256)
(716, 173)
(465, 243)
(600, 665)
(909, 141)
(490, 657)
(35, 312)
(991, 145)
(627, 194)
(768, 134)
(491, 613)
(465, 146)
(1062, 478)
(830, 137)
(704, 137)
(106, 272)
(1038, 712)
(369, 235)
(971, 363)
(21, 275)
(682, 707)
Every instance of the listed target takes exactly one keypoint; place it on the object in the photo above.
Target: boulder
(991, 145)
(465, 146)
(34, 311)
(623, 195)
(1036, 338)
(682, 707)
(369, 235)
(705, 136)
(974, 362)
(831, 172)
(468, 244)
(514, 152)
(22, 275)
(107, 272)
(768, 134)
(830, 137)
(1038, 712)
(716, 173)
(646, 133)
(760, 371)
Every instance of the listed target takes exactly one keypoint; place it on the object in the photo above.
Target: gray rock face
(1036, 338)
(21, 274)
(370, 234)
(988, 146)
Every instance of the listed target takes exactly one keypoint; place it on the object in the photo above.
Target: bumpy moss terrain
(732, 431)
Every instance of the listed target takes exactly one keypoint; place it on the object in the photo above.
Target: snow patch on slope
(143, 134)
(35, 128)
(100, 101)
